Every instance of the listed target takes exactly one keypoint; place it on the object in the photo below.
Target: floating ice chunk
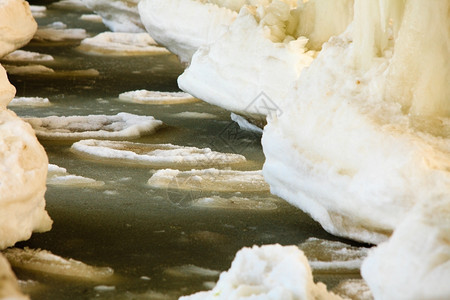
(218, 202)
(267, 272)
(59, 176)
(118, 15)
(155, 97)
(104, 288)
(58, 31)
(9, 287)
(194, 115)
(76, 5)
(46, 262)
(38, 11)
(209, 180)
(120, 126)
(17, 25)
(91, 18)
(120, 43)
(326, 255)
(22, 55)
(43, 70)
(415, 262)
(191, 270)
(29, 101)
(244, 124)
(355, 289)
(154, 155)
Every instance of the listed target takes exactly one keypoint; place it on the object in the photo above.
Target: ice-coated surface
(267, 272)
(240, 203)
(9, 288)
(29, 101)
(27, 56)
(154, 155)
(17, 25)
(415, 263)
(46, 262)
(209, 180)
(156, 97)
(118, 15)
(58, 32)
(182, 26)
(59, 176)
(121, 43)
(120, 126)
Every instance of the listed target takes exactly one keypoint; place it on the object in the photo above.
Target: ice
(267, 272)
(120, 126)
(27, 56)
(29, 101)
(154, 155)
(43, 70)
(120, 43)
(60, 177)
(118, 15)
(9, 287)
(194, 115)
(7, 90)
(76, 5)
(355, 289)
(209, 180)
(191, 270)
(58, 32)
(156, 97)
(91, 18)
(244, 124)
(44, 261)
(238, 203)
(104, 288)
(38, 11)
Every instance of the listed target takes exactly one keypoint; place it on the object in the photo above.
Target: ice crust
(120, 126)
(156, 97)
(154, 155)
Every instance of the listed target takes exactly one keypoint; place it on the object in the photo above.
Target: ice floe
(156, 97)
(154, 155)
(29, 101)
(60, 177)
(191, 270)
(9, 287)
(44, 261)
(27, 56)
(43, 70)
(209, 180)
(120, 126)
(77, 5)
(91, 18)
(194, 115)
(238, 203)
(121, 44)
(58, 32)
(38, 11)
(267, 272)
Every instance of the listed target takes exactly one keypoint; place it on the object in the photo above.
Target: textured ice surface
(156, 97)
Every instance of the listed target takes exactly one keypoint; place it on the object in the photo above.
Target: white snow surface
(154, 155)
(156, 97)
(59, 176)
(121, 43)
(27, 56)
(29, 101)
(120, 126)
(267, 272)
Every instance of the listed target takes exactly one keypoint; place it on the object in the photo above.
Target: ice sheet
(156, 97)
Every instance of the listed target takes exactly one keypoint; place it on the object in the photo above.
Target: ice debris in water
(27, 56)
(29, 101)
(58, 31)
(156, 97)
(59, 176)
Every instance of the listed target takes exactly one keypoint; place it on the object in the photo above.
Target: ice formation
(120, 43)
(27, 56)
(59, 176)
(239, 203)
(29, 101)
(120, 126)
(191, 270)
(58, 32)
(38, 11)
(209, 180)
(118, 15)
(267, 272)
(194, 115)
(46, 71)
(154, 155)
(156, 97)
(9, 289)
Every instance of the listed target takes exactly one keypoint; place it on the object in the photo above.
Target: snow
(238, 203)
(209, 180)
(27, 56)
(244, 124)
(58, 32)
(156, 97)
(153, 155)
(120, 126)
(9, 286)
(44, 261)
(60, 177)
(120, 43)
(29, 101)
(17, 25)
(118, 15)
(267, 272)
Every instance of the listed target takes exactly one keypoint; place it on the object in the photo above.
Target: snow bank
(27, 56)
(209, 180)
(120, 43)
(46, 262)
(156, 97)
(17, 25)
(58, 32)
(29, 101)
(415, 263)
(267, 272)
(59, 176)
(120, 126)
(9, 288)
(118, 15)
(154, 155)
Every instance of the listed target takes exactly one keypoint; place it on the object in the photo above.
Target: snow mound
(209, 180)
(29, 101)
(27, 56)
(155, 97)
(60, 177)
(121, 44)
(120, 126)
(154, 155)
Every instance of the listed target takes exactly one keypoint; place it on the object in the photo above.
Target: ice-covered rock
(120, 126)
(154, 155)
(267, 272)
(118, 15)
(9, 288)
(121, 43)
(156, 97)
(60, 177)
(27, 56)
